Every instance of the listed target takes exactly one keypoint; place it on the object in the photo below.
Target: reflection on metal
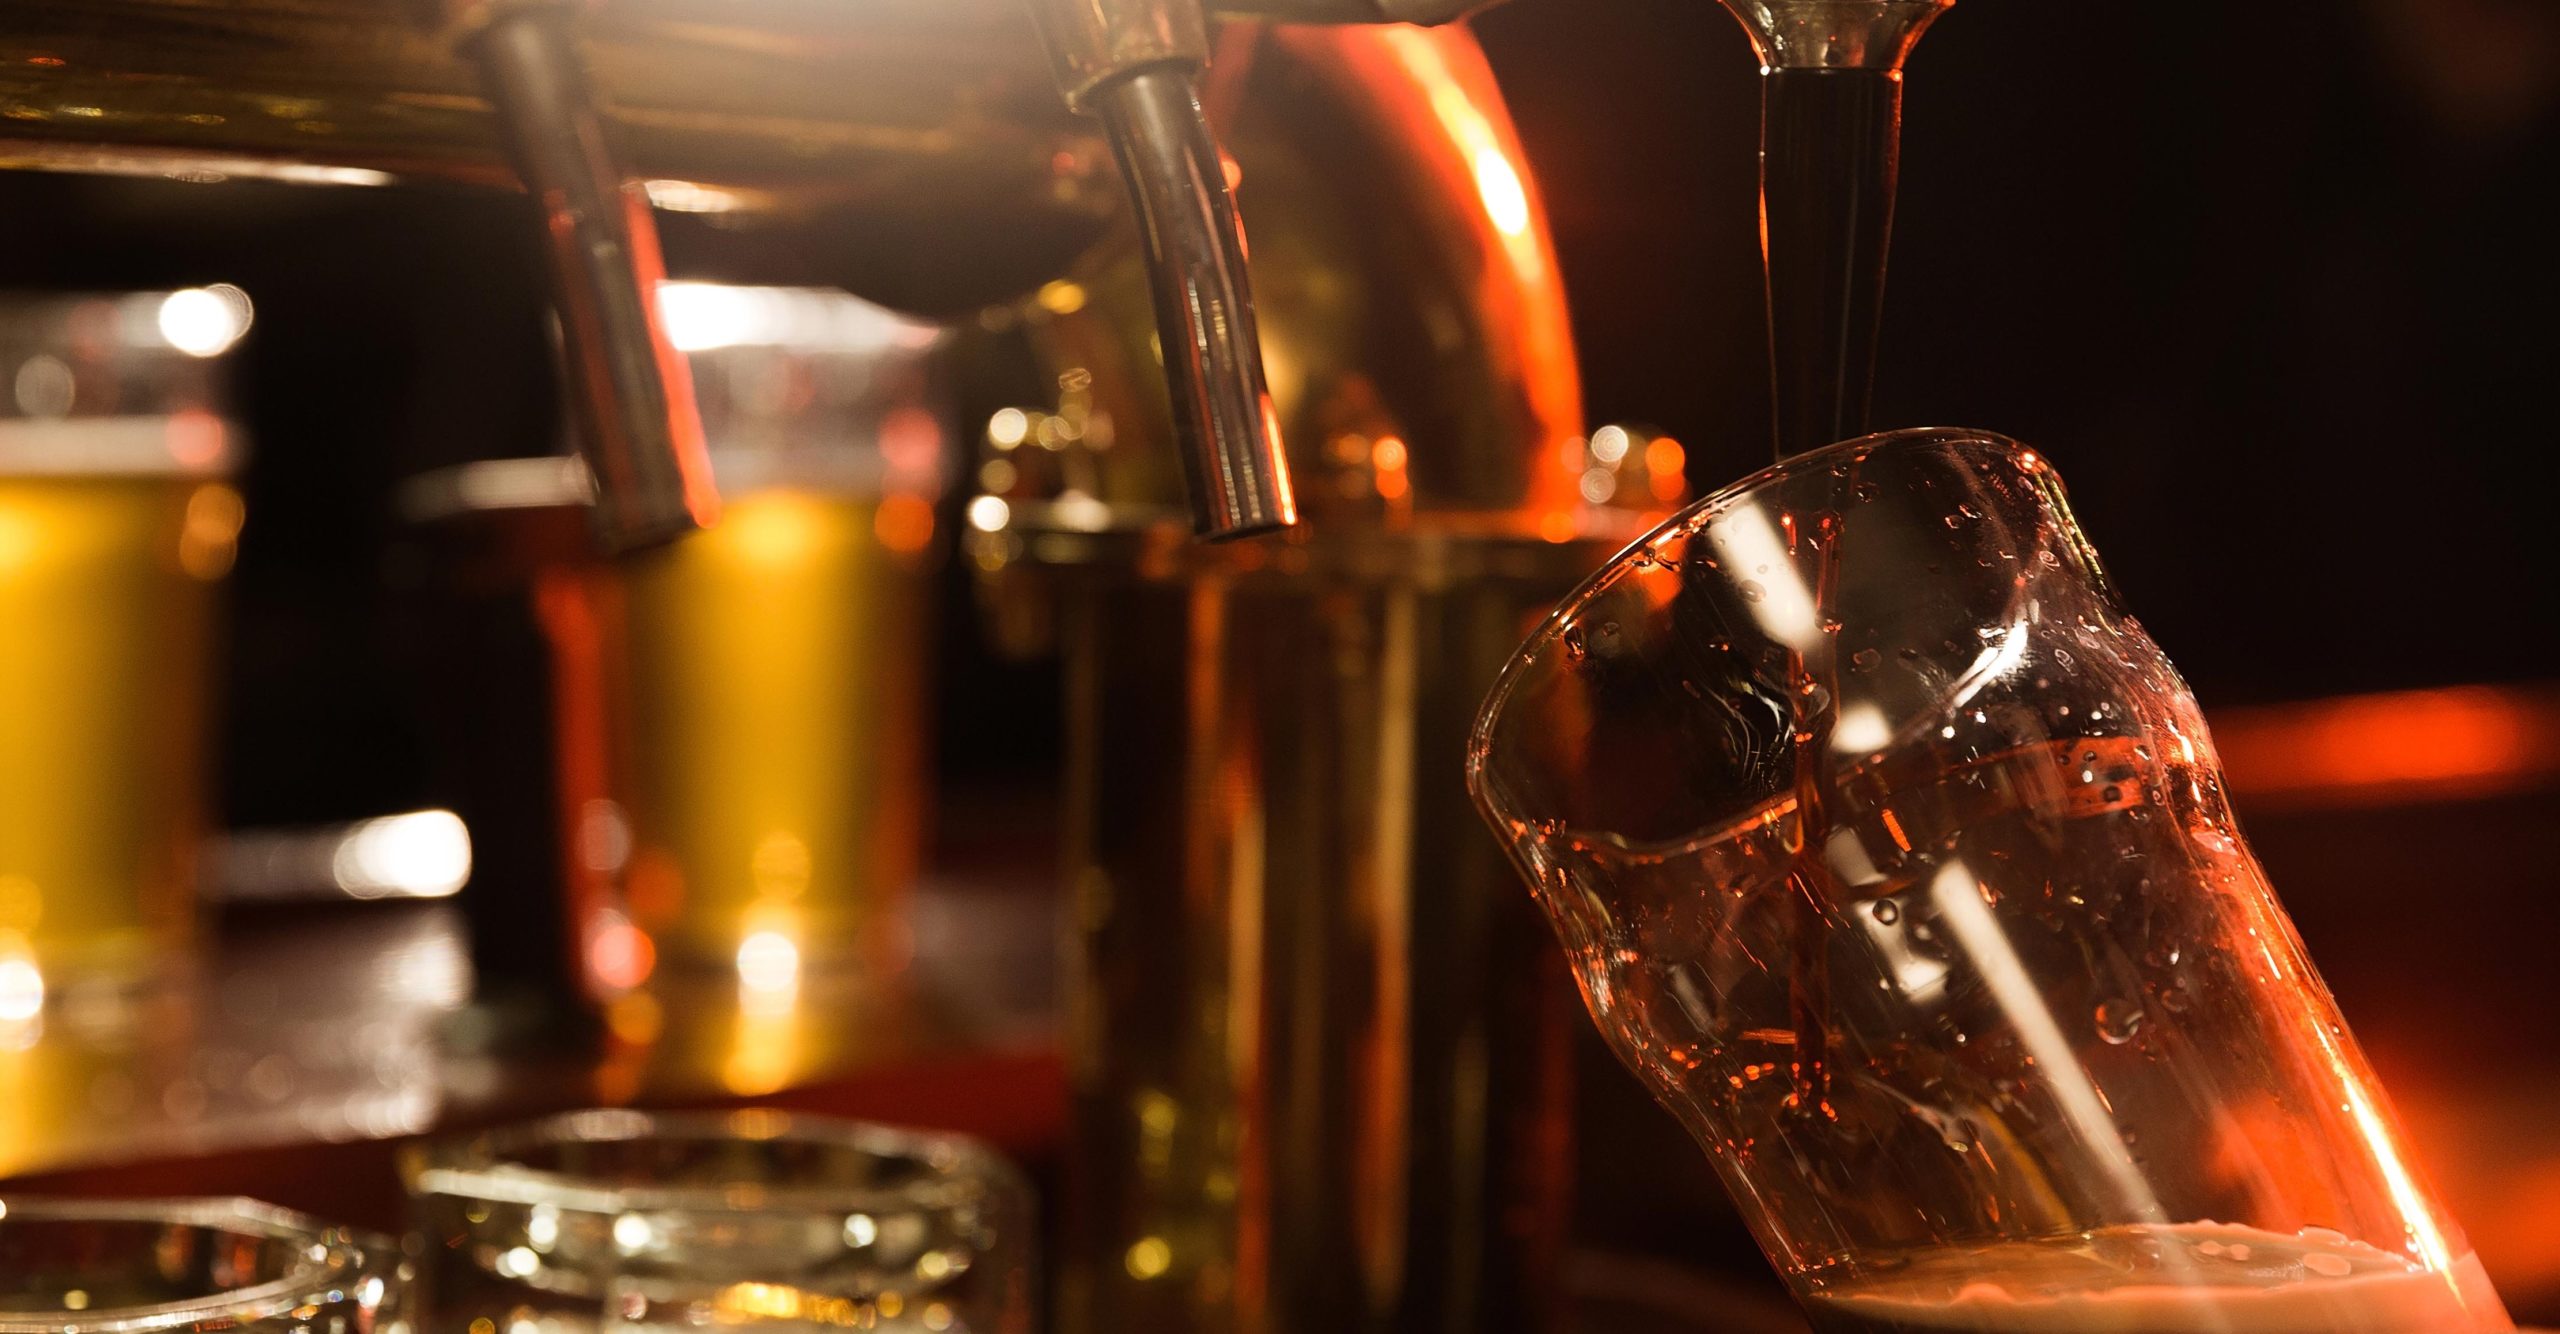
(1135, 65)
(630, 388)
(2380, 750)
(1237, 477)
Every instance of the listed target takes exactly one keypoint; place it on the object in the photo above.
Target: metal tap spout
(629, 388)
(1132, 63)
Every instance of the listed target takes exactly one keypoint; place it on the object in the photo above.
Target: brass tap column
(1315, 1041)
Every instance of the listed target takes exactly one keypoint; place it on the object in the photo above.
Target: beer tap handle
(1132, 63)
(629, 388)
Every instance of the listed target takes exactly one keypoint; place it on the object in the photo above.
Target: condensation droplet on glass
(1866, 491)
(1752, 591)
(2118, 1020)
(1887, 911)
(1864, 660)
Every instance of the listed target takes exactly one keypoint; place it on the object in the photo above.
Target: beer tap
(1830, 154)
(1132, 64)
(629, 388)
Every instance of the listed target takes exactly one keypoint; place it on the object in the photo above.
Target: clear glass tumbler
(1893, 856)
(191, 1266)
(757, 1219)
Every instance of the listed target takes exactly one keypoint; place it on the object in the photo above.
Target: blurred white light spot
(768, 961)
(859, 1230)
(1008, 427)
(1598, 484)
(77, 1299)
(421, 855)
(703, 316)
(1609, 444)
(1783, 605)
(46, 386)
(542, 1227)
(1861, 730)
(690, 197)
(369, 1292)
(989, 514)
(203, 321)
(517, 1262)
(21, 990)
(632, 1233)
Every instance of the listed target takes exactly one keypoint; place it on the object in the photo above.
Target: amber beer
(774, 675)
(741, 712)
(116, 528)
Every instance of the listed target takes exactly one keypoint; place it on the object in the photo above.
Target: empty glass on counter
(753, 1218)
(1893, 856)
(191, 1266)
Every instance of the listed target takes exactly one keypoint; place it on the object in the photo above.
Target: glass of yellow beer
(739, 717)
(117, 525)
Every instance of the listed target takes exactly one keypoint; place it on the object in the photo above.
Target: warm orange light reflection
(1506, 200)
(1437, 76)
(2381, 749)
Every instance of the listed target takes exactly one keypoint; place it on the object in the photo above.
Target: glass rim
(332, 1257)
(1618, 566)
(482, 1165)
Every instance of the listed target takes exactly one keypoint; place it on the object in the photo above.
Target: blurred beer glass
(116, 528)
(751, 1220)
(772, 780)
(739, 715)
(1893, 856)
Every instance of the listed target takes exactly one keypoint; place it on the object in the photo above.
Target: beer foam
(2219, 1278)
